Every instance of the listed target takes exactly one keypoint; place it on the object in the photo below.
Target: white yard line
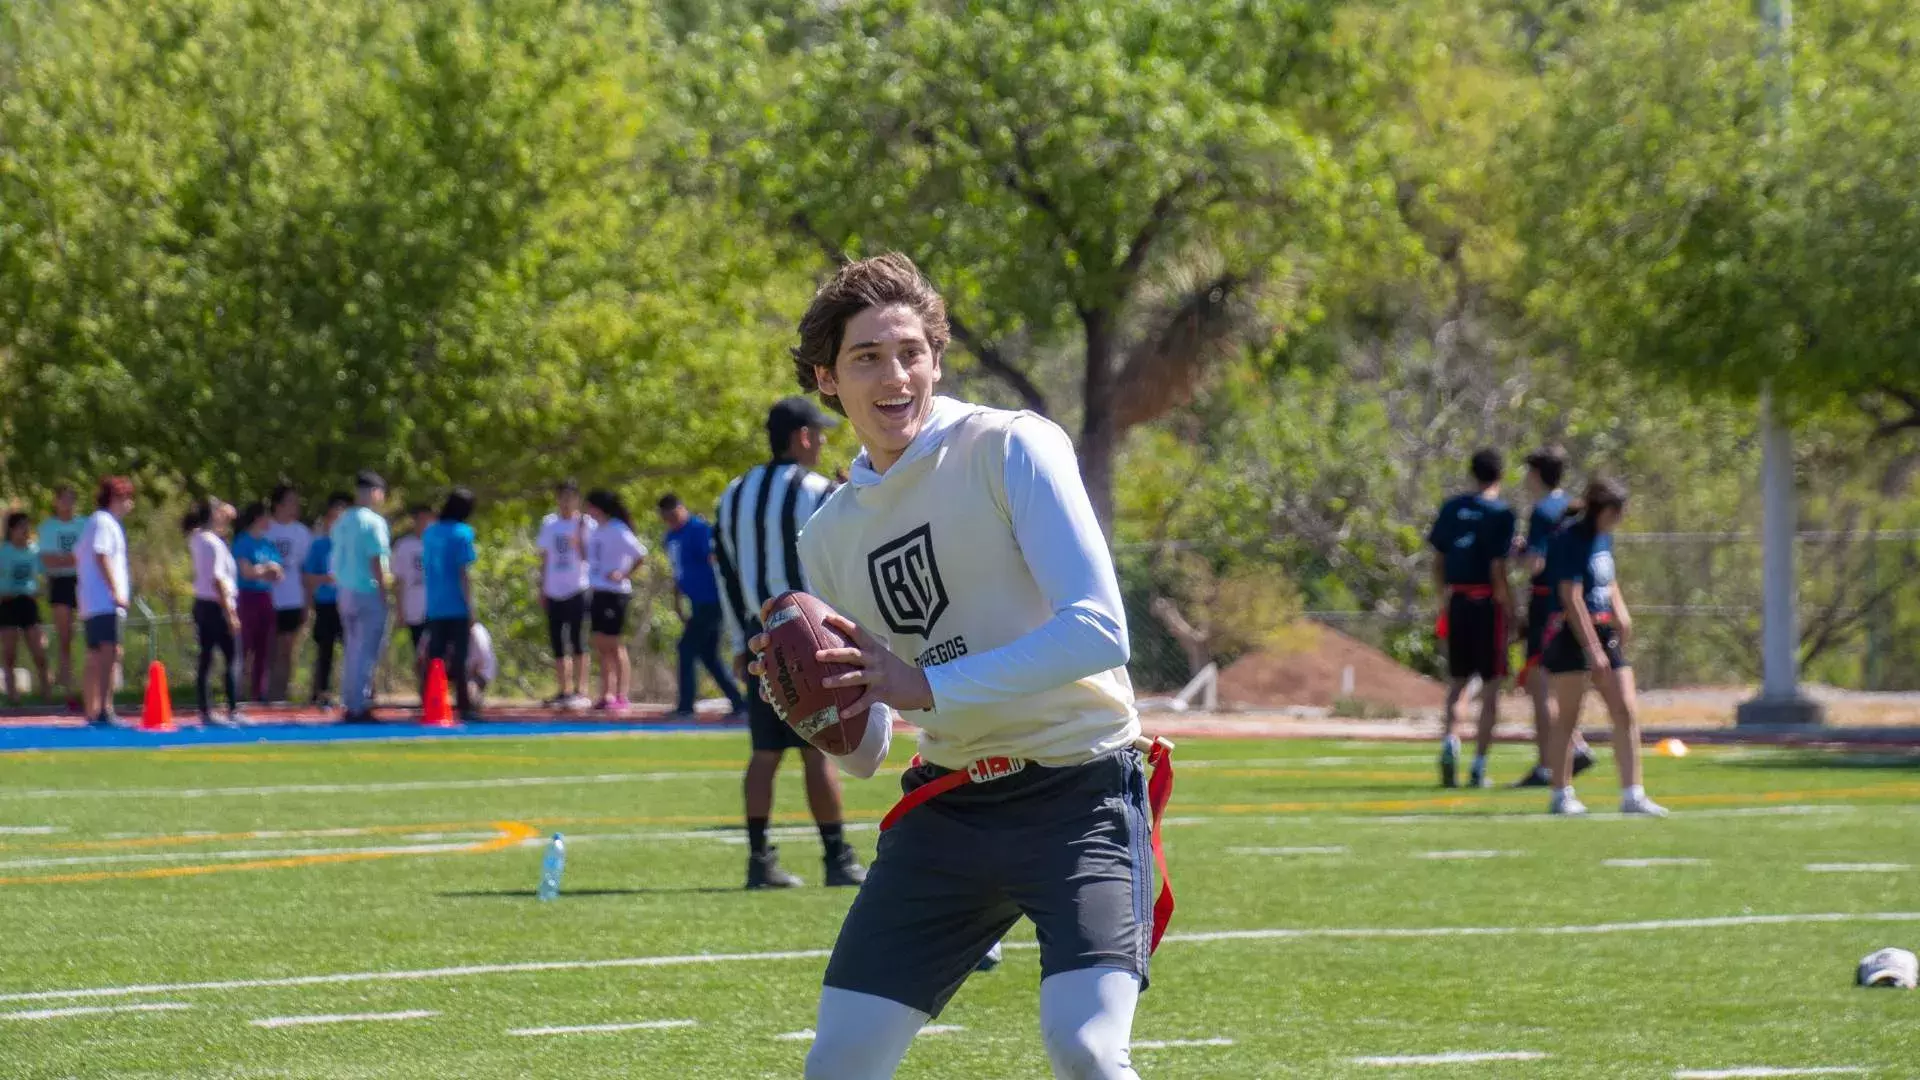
(364, 789)
(803, 1035)
(1458, 1057)
(96, 1010)
(598, 1029)
(1201, 937)
(1642, 864)
(1169, 1044)
(1330, 850)
(1452, 855)
(1857, 867)
(1788, 810)
(1769, 1071)
(31, 830)
(340, 1018)
(941, 1029)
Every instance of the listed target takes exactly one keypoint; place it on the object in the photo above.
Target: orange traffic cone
(434, 709)
(156, 714)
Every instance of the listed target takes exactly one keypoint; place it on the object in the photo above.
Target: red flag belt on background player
(1471, 592)
(1159, 793)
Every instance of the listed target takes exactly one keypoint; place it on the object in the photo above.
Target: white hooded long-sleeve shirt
(977, 555)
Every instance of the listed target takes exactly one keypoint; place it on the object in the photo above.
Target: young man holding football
(969, 571)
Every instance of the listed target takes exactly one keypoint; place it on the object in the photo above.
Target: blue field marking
(72, 738)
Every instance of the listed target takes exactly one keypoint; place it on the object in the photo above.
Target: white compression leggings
(1086, 1018)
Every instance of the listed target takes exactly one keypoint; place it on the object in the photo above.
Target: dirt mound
(1307, 669)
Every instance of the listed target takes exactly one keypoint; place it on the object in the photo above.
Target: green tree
(1682, 224)
(1144, 188)
(241, 240)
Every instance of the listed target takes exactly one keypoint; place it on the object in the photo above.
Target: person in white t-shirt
(614, 553)
(410, 578)
(216, 610)
(291, 539)
(105, 590)
(563, 594)
(482, 667)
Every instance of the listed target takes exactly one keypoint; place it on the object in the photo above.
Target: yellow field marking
(510, 833)
(1321, 774)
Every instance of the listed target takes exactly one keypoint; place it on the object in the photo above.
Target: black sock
(757, 835)
(833, 838)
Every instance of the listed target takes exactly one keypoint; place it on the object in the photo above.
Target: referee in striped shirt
(757, 550)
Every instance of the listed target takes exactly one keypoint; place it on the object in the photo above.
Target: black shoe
(764, 872)
(1582, 760)
(471, 716)
(844, 870)
(1449, 770)
(364, 716)
(1539, 777)
(104, 720)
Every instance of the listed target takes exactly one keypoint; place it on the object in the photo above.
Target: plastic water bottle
(552, 867)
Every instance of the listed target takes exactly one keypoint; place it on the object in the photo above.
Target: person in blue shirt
(59, 559)
(258, 562)
(317, 572)
(1587, 642)
(690, 550)
(1546, 470)
(1472, 537)
(19, 603)
(446, 557)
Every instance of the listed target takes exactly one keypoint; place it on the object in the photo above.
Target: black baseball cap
(368, 480)
(789, 415)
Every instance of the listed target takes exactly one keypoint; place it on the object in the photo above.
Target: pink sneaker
(621, 704)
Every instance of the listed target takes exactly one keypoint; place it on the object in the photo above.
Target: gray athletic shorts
(1066, 847)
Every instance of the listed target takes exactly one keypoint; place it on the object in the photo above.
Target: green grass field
(1325, 891)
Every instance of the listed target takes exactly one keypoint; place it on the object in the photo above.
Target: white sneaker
(1641, 807)
(579, 703)
(1568, 805)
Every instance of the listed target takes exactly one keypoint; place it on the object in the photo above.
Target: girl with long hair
(613, 554)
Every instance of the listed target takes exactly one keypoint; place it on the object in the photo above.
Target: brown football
(796, 629)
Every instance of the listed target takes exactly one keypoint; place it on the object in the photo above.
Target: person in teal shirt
(19, 604)
(259, 564)
(361, 548)
(59, 541)
(447, 554)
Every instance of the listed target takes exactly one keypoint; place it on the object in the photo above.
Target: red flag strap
(1159, 754)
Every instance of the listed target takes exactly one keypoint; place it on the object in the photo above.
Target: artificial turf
(1342, 877)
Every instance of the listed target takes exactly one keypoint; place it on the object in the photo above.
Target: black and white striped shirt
(757, 541)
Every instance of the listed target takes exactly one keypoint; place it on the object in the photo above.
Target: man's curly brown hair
(881, 281)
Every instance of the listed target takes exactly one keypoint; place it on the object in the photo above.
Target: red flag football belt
(1555, 624)
(1159, 792)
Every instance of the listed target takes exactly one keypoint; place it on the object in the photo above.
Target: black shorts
(63, 591)
(1564, 656)
(103, 630)
(608, 614)
(1539, 613)
(1476, 638)
(1069, 848)
(765, 729)
(289, 620)
(326, 623)
(566, 625)
(19, 613)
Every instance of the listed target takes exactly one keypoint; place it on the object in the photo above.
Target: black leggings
(447, 642)
(210, 619)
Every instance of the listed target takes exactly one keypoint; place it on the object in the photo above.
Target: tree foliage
(1147, 185)
(244, 240)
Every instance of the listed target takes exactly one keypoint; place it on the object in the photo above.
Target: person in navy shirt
(1587, 641)
(690, 549)
(1472, 537)
(1546, 469)
(446, 557)
(318, 573)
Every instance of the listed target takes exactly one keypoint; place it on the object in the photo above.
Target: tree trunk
(1099, 437)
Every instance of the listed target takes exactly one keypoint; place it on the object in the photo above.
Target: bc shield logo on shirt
(906, 583)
